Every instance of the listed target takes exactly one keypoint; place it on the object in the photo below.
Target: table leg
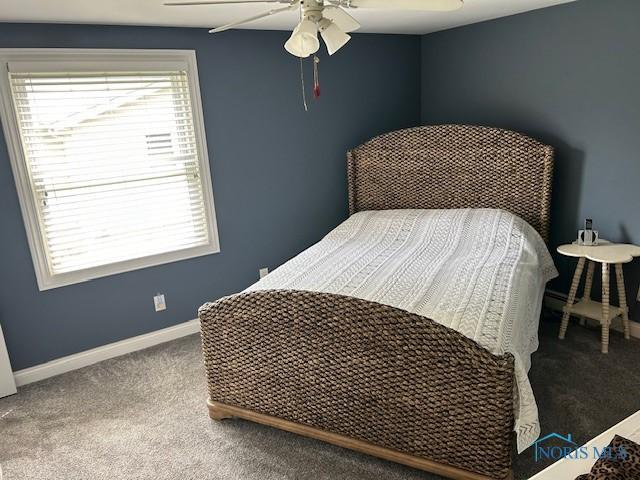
(622, 297)
(605, 308)
(572, 298)
(588, 286)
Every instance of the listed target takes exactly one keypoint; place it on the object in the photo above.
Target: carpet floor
(143, 416)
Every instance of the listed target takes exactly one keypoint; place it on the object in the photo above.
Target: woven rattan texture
(362, 370)
(454, 166)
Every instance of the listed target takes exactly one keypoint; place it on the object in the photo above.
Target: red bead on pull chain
(316, 78)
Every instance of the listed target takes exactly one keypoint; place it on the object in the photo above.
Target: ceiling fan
(328, 17)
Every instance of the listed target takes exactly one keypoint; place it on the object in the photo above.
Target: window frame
(95, 60)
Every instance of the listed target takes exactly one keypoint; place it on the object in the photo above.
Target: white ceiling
(152, 12)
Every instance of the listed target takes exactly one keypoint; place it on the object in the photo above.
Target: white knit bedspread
(481, 272)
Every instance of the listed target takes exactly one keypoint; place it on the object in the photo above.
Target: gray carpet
(143, 416)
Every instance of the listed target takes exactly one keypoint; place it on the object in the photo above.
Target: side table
(607, 254)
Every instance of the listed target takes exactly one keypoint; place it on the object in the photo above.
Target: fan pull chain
(304, 94)
(316, 78)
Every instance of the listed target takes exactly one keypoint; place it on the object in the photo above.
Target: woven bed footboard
(365, 371)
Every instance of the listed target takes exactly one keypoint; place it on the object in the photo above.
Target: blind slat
(161, 161)
(118, 255)
(113, 148)
(54, 124)
(78, 228)
(109, 213)
(119, 181)
(114, 192)
(189, 232)
(64, 222)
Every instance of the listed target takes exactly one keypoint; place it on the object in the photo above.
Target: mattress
(481, 272)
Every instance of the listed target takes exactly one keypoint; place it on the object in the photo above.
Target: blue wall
(567, 75)
(279, 176)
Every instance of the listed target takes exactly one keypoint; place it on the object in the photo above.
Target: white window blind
(114, 166)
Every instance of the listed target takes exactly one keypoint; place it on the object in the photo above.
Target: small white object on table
(605, 253)
(570, 468)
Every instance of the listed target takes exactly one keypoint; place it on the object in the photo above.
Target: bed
(406, 333)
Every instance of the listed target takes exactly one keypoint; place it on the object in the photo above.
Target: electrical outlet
(264, 272)
(159, 302)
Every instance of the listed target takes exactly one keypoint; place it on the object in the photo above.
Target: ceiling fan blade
(428, 5)
(251, 19)
(219, 2)
(342, 19)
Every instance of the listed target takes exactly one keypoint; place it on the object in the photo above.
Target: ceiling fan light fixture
(333, 37)
(342, 19)
(304, 39)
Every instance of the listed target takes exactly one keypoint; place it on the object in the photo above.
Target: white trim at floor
(555, 301)
(95, 355)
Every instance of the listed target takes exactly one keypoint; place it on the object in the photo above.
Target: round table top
(604, 252)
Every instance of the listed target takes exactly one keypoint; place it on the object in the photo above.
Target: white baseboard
(556, 300)
(95, 355)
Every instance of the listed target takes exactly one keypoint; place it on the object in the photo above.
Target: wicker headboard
(453, 166)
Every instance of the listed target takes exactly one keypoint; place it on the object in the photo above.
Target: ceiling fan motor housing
(312, 9)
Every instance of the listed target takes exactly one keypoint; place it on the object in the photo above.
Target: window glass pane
(113, 165)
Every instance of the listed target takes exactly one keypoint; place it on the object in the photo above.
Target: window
(110, 159)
